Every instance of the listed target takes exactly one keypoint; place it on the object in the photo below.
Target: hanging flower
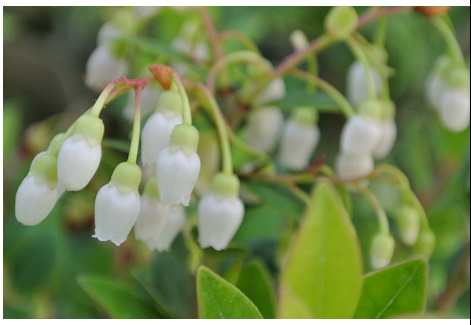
(274, 91)
(220, 212)
(39, 191)
(158, 223)
(300, 138)
(357, 84)
(381, 250)
(408, 223)
(263, 127)
(178, 166)
(388, 131)
(80, 154)
(351, 166)
(454, 109)
(159, 126)
(117, 204)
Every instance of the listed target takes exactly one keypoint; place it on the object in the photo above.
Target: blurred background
(45, 50)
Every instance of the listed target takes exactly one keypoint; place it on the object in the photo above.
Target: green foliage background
(56, 270)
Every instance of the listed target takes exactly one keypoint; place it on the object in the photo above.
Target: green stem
(241, 38)
(101, 101)
(136, 127)
(360, 56)
(186, 102)
(380, 213)
(381, 31)
(343, 103)
(454, 48)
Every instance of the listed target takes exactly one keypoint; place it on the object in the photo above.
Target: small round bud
(298, 40)
(381, 250)
(425, 243)
(341, 21)
(408, 222)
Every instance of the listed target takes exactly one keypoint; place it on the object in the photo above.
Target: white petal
(435, 87)
(115, 214)
(357, 85)
(152, 215)
(103, 67)
(156, 135)
(218, 220)
(177, 174)
(350, 166)
(273, 92)
(77, 162)
(263, 127)
(297, 144)
(360, 136)
(387, 141)
(107, 32)
(454, 110)
(34, 202)
(174, 221)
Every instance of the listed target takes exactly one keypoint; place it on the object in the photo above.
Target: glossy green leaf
(218, 299)
(118, 300)
(322, 276)
(255, 282)
(395, 291)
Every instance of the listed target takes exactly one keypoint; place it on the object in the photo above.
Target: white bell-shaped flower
(300, 138)
(381, 250)
(436, 84)
(107, 32)
(351, 166)
(274, 91)
(357, 83)
(117, 204)
(159, 126)
(103, 67)
(220, 213)
(158, 223)
(80, 154)
(454, 109)
(178, 166)
(263, 127)
(362, 132)
(39, 191)
(387, 140)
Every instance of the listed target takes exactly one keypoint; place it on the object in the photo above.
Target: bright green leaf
(218, 299)
(118, 300)
(395, 291)
(323, 273)
(255, 282)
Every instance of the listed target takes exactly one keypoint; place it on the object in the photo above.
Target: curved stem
(380, 213)
(136, 128)
(454, 48)
(241, 38)
(100, 102)
(343, 103)
(186, 102)
(381, 31)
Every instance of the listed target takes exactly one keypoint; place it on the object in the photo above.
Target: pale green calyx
(458, 77)
(151, 188)
(341, 21)
(127, 177)
(44, 169)
(225, 185)
(90, 127)
(185, 137)
(305, 115)
(372, 109)
(170, 101)
(389, 110)
(56, 142)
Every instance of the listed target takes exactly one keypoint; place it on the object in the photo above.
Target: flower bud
(117, 204)
(357, 83)
(387, 140)
(425, 243)
(381, 250)
(300, 138)
(178, 166)
(350, 166)
(263, 127)
(80, 154)
(103, 67)
(436, 83)
(220, 212)
(408, 222)
(360, 136)
(341, 21)
(274, 91)
(299, 40)
(39, 191)
(454, 109)
(158, 223)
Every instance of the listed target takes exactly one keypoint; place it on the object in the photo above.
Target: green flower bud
(425, 243)
(305, 115)
(127, 177)
(341, 21)
(44, 168)
(185, 137)
(381, 250)
(408, 222)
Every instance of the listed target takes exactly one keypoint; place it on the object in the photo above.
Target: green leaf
(322, 277)
(395, 291)
(255, 282)
(218, 299)
(117, 299)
